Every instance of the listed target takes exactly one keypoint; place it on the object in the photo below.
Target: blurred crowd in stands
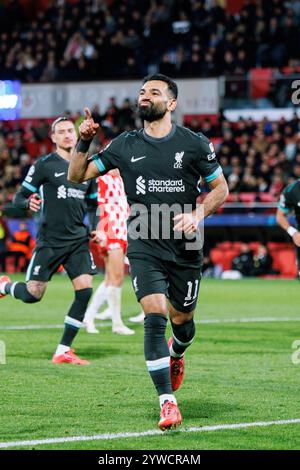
(62, 40)
(256, 156)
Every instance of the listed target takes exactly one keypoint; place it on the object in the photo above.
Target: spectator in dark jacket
(244, 261)
(262, 262)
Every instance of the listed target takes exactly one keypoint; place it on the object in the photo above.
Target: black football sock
(183, 336)
(157, 352)
(73, 320)
(19, 290)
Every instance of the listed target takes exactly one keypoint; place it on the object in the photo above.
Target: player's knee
(34, 295)
(179, 318)
(36, 290)
(154, 304)
(155, 307)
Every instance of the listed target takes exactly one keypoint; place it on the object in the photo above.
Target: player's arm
(210, 169)
(80, 168)
(282, 220)
(92, 206)
(216, 197)
(24, 199)
(27, 196)
(212, 173)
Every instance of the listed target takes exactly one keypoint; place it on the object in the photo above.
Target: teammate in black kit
(290, 202)
(160, 164)
(62, 236)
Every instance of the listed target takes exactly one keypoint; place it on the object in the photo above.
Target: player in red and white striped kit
(112, 230)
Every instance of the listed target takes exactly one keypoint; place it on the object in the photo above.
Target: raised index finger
(88, 114)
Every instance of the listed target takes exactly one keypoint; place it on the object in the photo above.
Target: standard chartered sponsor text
(167, 186)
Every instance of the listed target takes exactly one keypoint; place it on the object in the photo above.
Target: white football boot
(122, 330)
(138, 318)
(90, 326)
(105, 315)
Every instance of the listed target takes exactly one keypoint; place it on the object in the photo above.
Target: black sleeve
(109, 158)
(92, 204)
(206, 162)
(30, 185)
(35, 177)
(21, 199)
(285, 202)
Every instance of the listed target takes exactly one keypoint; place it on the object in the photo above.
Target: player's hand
(88, 129)
(35, 202)
(186, 223)
(95, 237)
(296, 239)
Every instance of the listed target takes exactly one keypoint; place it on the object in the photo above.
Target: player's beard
(153, 112)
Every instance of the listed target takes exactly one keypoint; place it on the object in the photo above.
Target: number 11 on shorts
(192, 287)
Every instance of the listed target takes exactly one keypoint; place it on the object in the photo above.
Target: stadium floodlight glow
(10, 100)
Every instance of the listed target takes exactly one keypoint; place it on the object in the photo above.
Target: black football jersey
(64, 204)
(160, 173)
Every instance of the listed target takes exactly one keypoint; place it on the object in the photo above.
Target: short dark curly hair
(163, 78)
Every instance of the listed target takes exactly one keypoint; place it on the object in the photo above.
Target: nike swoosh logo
(189, 303)
(57, 175)
(136, 159)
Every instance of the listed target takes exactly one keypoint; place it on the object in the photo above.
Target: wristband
(83, 145)
(291, 231)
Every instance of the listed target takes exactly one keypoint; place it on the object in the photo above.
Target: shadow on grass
(197, 410)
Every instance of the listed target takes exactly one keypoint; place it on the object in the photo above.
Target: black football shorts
(76, 259)
(180, 283)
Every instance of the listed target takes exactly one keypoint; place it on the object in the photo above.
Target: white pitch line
(209, 321)
(248, 320)
(41, 327)
(153, 432)
(30, 327)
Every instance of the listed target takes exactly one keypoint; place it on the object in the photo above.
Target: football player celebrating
(62, 237)
(161, 166)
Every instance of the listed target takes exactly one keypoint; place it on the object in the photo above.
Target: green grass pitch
(236, 372)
